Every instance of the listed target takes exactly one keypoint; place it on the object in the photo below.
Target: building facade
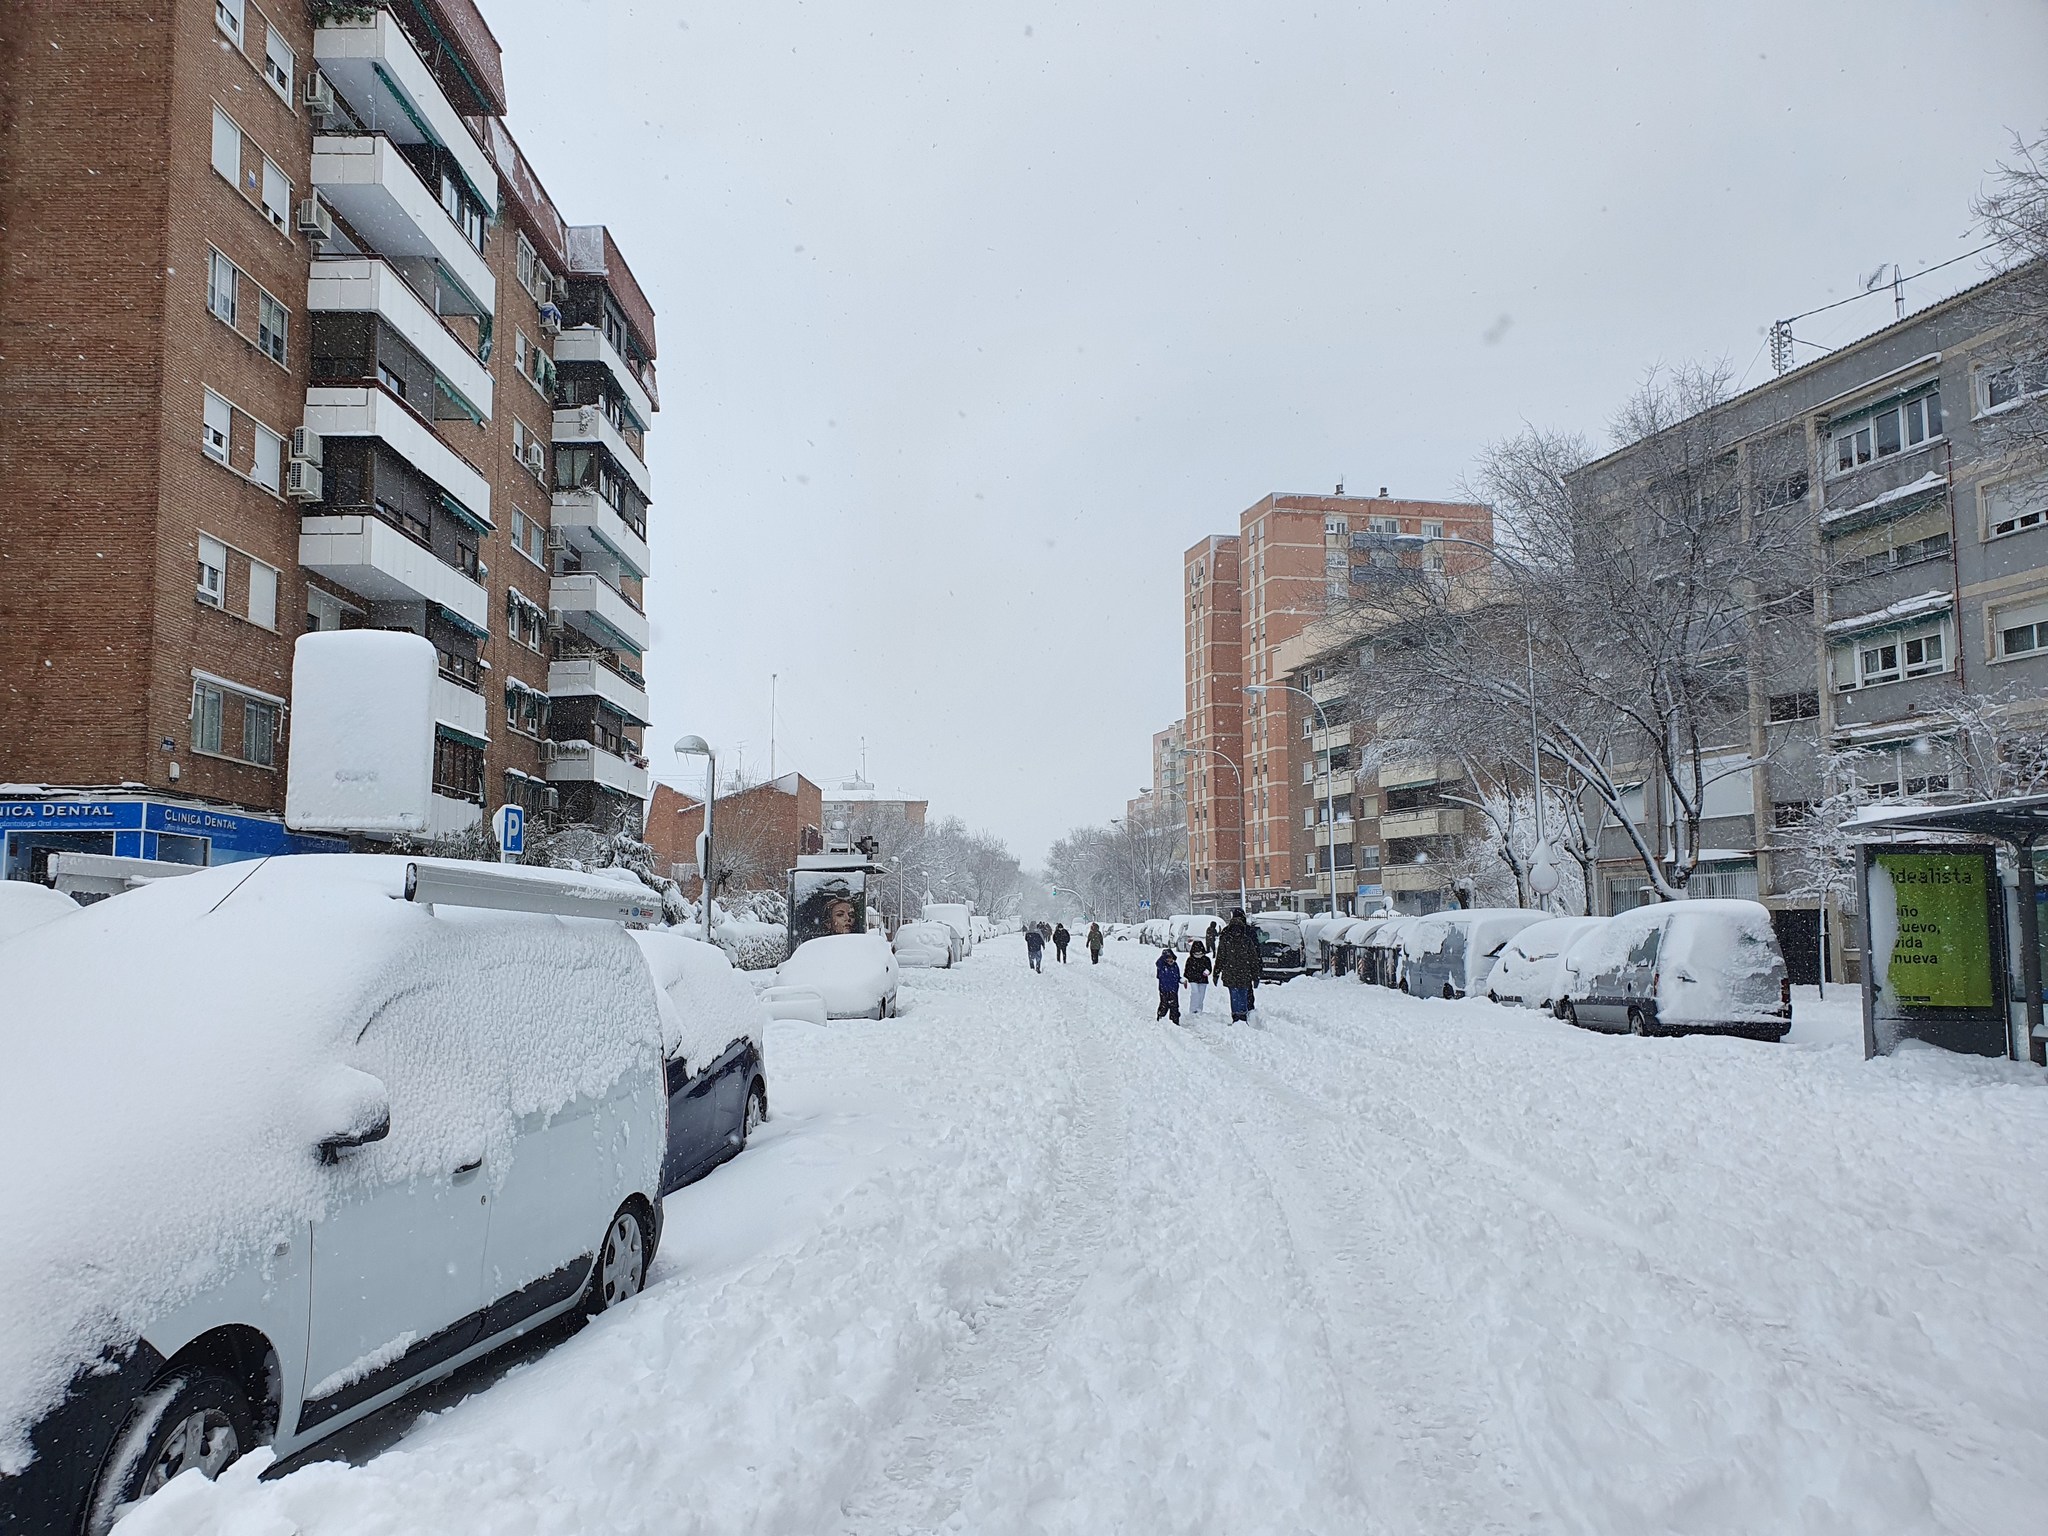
(758, 831)
(308, 348)
(1295, 561)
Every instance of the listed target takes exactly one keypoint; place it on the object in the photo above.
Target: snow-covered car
(1530, 971)
(806, 1005)
(1379, 955)
(854, 972)
(1449, 954)
(1681, 967)
(390, 1138)
(717, 1070)
(930, 945)
(958, 917)
(1282, 956)
(27, 904)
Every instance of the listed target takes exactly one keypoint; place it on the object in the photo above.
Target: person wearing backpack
(1095, 943)
(1196, 974)
(1034, 948)
(1238, 967)
(1168, 970)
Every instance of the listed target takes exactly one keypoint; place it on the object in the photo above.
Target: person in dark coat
(1060, 940)
(1238, 966)
(1196, 974)
(1034, 947)
(1095, 943)
(1169, 986)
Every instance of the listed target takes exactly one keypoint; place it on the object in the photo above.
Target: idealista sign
(1941, 933)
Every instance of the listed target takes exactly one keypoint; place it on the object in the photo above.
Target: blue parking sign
(509, 825)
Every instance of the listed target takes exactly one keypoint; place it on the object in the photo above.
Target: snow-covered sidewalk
(1024, 1260)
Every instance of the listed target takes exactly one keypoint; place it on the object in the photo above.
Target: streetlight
(1329, 778)
(1237, 774)
(697, 746)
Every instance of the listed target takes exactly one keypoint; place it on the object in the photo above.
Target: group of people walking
(1235, 965)
(1230, 956)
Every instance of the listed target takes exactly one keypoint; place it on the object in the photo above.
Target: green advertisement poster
(1941, 947)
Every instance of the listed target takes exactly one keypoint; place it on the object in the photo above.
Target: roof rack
(552, 893)
(109, 874)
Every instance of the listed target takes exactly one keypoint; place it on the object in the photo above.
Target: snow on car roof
(173, 1055)
(707, 1001)
(25, 905)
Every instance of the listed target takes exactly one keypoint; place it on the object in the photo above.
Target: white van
(958, 916)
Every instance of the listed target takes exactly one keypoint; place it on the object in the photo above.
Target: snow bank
(25, 904)
(178, 1051)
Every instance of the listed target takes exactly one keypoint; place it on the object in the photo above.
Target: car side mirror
(332, 1147)
(353, 1109)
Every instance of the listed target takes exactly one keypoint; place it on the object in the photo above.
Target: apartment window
(259, 732)
(1432, 530)
(1794, 706)
(219, 421)
(213, 571)
(227, 15)
(1386, 525)
(271, 323)
(527, 264)
(2015, 506)
(529, 538)
(227, 146)
(467, 216)
(1888, 430)
(1336, 525)
(458, 769)
(520, 352)
(325, 612)
(2022, 631)
(277, 195)
(278, 61)
(269, 463)
(2004, 386)
(208, 704)
(223, 285)
(1910, 653)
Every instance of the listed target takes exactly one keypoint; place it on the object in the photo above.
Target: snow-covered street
(1025, 1260)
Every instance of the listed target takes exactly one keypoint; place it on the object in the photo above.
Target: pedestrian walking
(1169, 986)
(1238, 968)
(1196, 974)
(1212, 938)
(1060, 940)
(1034, 947)
(1095, 943)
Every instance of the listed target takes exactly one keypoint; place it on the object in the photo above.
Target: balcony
(1404, 774)
(1338, 735)
(365, 285)
(585, 762)
(1338, 784)
(590, 677)
(586, 521)
(462, 710)
(1430, 823)
(589, 603)
(367, 181)
(365, 412)
(371, 558)
(588, 344)
(1411, 877)
(374, 67)
(448, 816)
(1330, 689)
(589, 424)
(1323, 833)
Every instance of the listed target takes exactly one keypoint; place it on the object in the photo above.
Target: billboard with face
(826, 901)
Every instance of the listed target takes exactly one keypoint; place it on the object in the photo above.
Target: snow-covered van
(1530, 971)
(383, 1139)
(1448, 954)
(1679, 967)
(958, 916)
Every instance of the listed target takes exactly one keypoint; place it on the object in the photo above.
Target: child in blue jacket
(1169, 987)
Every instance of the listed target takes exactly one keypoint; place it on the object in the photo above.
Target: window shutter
(277, 195)
(227, 147)
(268, 467)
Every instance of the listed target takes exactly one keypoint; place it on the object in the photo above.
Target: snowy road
(1023, 1260)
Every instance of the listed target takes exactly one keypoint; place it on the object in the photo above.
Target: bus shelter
(1952, 927)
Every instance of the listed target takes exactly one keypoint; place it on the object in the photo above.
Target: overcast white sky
(973, 317)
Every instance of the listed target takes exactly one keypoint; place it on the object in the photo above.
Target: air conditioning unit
(306, 445)
(550, 320)
(315, 222)
(483, 573)
(554, 618)
(537, 457)
(318, 95)
(302, 481)
(558, 539)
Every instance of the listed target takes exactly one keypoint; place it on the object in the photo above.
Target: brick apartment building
(1293, 560)
(759, 831)
(295, 340)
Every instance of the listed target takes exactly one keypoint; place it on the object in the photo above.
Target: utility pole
(771, 727)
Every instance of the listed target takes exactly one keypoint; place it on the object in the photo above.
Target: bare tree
(2014, 213)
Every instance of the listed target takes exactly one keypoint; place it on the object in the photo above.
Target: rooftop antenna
(1340, 487)
(1781, 346)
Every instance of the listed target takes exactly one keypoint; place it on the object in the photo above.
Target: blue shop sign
(148, 829)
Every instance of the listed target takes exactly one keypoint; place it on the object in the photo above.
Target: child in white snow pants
(1197, 990)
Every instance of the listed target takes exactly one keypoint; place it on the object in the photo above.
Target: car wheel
(1492, 996)
(621, 1268)
(757, 1113)
(1569, 1013)
(192, 1418)
(1449, 991)
(882, 1008)
(1637, 1023)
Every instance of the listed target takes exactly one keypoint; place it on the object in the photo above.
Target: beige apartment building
(296, 340)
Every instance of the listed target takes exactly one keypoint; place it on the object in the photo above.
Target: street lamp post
(1237, 774)
(1329, 778)
(696, 746)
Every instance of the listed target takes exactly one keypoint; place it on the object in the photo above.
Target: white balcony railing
(363, 412)
(588, 344)
(366, 285)
(584, 762)
(587, 677)
(591, 604)
(374, 67)
(448, 816)
(461, 709)
(371, 558)
(590, 523)
(589, 424)
(1430, 823)
(367, 181)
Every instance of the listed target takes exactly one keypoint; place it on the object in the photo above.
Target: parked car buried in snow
(925, 945)
(257, 1212)
(958, 919)
(1282, 954)
(854, 972)
(1681, 967)
(1448, 954)
(1530, 971)
(717, 1072)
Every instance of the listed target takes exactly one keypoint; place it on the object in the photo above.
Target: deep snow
(1023, 1259)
